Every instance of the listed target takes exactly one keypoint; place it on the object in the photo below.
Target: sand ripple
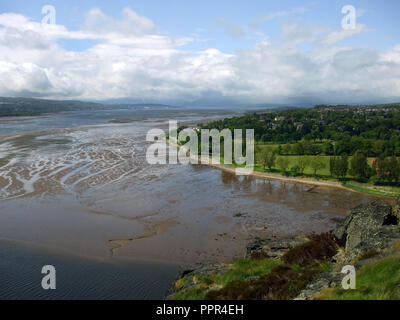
(40, 164)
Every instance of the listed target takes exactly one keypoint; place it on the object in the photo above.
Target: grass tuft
(376, 281)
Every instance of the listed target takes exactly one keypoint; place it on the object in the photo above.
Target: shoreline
(273, 176)
(306, 181)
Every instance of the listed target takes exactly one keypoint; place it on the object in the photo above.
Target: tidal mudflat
(88, 191)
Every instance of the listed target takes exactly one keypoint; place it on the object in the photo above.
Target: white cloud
(296, 33)
(341, 34)
(130, 61)
(131, 23)
(278, 14)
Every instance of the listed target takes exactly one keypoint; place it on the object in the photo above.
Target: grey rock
(396, 210)
(339, 258)
(187, 272)
(370, 226)
(331, 279)
(377, 240)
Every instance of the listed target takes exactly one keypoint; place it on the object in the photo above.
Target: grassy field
(324, 174)
(369, 188)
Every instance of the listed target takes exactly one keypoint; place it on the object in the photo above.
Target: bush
(320, 247)
(282, 283)
(295, 171)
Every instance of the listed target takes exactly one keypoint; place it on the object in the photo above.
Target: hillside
(34, 107)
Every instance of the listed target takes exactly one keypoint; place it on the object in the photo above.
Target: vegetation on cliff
(309, 268)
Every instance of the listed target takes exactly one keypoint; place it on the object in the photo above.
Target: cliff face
(366, 235)
(374, 226)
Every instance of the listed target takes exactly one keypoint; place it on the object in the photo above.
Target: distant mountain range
(35, 107)
(16, 107)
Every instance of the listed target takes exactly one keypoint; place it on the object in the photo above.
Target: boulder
(372, 226)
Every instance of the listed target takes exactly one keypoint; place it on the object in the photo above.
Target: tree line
(324, 130)
(383, 170)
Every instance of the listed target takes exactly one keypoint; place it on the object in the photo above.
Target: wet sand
(88, 194)
(91, 192)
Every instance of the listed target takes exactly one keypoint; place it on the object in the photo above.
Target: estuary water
(77, 193)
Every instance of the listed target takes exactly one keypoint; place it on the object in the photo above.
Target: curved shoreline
(273, 176)
(307, 181)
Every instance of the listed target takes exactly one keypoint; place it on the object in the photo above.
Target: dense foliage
(329, 130)
(361, 141)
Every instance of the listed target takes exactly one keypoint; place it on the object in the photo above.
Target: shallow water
(89, 191)
(79, 278)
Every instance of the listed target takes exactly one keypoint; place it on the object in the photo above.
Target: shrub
(282, 283)
(296, 171)
(320, 247)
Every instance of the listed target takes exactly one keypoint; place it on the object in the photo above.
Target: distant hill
(35, 107)
(142, 106)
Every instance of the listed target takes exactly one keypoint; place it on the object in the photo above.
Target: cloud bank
(129, 60)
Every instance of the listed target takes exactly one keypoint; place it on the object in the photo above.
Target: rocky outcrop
(331, 279)
(365, 236)
(199, 270)
(370, 230)
(373, 226)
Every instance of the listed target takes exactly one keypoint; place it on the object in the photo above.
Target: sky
(205, 52)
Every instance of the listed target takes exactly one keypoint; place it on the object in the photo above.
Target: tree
(393, 168)
(339, 166)
(295, 170)
(387, 169)
(287, 149)
(328, 149)
(267, 157)
(343, 166)
(303, 162)
(298, 149)
(283, 163)
(380, 167)
(333, 166)
(359, 167)
(317, 163)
